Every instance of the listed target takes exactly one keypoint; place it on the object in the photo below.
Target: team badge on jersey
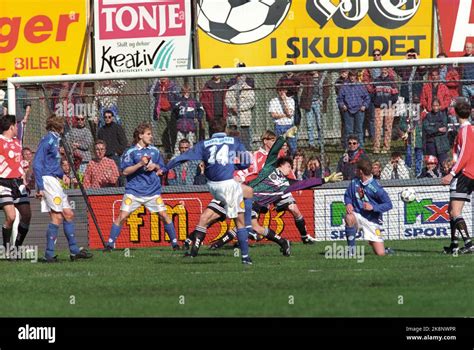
(159, 200)
(128, 201)
(57, 200)
(378, 233)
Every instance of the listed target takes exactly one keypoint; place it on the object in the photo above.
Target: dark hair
(353, 73)
(184, 141)
(55, 123)
(140, 130)
(289, 63)
(284, 160)
(441, 54)
(268, 134)
(375, 50)
(6, 122)
(412, 50)
(100, 142)
(241, 64)
(462, 108)
(218, 125)
(109, 111)
(396, 154)
(216, 66)
(353, 137)
(365, 165)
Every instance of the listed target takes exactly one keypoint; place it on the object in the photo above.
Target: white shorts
(154, 204)
(370, 231)
(230, 193)
(54, 197)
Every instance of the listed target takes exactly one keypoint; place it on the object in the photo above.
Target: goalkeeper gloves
(291, 132)
(334, 177)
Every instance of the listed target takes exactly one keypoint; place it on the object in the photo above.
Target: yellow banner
(42, 37)
(311, 30)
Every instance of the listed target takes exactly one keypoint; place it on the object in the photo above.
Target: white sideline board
(427, 217)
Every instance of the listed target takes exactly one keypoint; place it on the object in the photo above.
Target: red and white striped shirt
(11, 160)
(463, 151)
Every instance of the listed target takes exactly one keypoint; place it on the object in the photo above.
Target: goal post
(249, 99)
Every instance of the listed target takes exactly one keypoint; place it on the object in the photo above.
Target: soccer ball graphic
(408, 195)
(241, 21)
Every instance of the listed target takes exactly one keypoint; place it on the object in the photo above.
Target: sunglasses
(80, 119)
(353, 143)
(377, 54)
(108, 117)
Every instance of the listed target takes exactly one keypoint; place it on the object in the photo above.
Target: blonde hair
(55, 123)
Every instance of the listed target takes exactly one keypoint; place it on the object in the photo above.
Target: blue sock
(69, 231)
(243, 238)
(169, 228)
(51, 235)
(248, 211)
(114, 233)
(351, 238)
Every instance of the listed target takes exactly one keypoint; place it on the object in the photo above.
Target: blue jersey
(47, 160)
(357, 193)
(219, 154)
(142, 183)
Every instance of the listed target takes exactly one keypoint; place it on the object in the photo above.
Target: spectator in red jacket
(450, 77)
(213, 99)
(435, 89)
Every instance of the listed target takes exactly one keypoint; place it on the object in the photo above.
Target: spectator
(450, 77)
(188, 112)
(64, 100)
(114, 137)
(28, 156)
(435, 137)
(240, 100)
(368, 77)
(314, 168)
(106, 97)
(299, 165)
(435, 90)
(376, 170)
(69, 181)
(291, 83)
(2, 100)
(468, 73)
(212, 99)
(282, 110)
(166, 94)
(314, 101)
(395, 169)
(81, 140)
(184, 173)
(353, 100)
(411, 127)
(200, 178)
(348, 162)
(23, 108)
(101, 171)
(338, 84)
(248, 80)
(446, 166)
(431, 169)
(385, 95)
(411, 91)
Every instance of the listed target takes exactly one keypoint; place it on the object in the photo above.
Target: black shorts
(218, 208)
(460, 188)
(12, 191)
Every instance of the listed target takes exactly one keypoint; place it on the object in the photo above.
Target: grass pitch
(417, 281)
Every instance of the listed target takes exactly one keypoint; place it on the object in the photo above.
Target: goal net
(399, 114)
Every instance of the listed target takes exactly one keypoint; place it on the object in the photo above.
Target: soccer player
(272, 186)
(48, 172)
(287, 202)
(142, 164)
(222, 154)
(461, 179)
(12, 186)
(365, 201)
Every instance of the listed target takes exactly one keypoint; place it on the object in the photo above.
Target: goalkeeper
(273, 187)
